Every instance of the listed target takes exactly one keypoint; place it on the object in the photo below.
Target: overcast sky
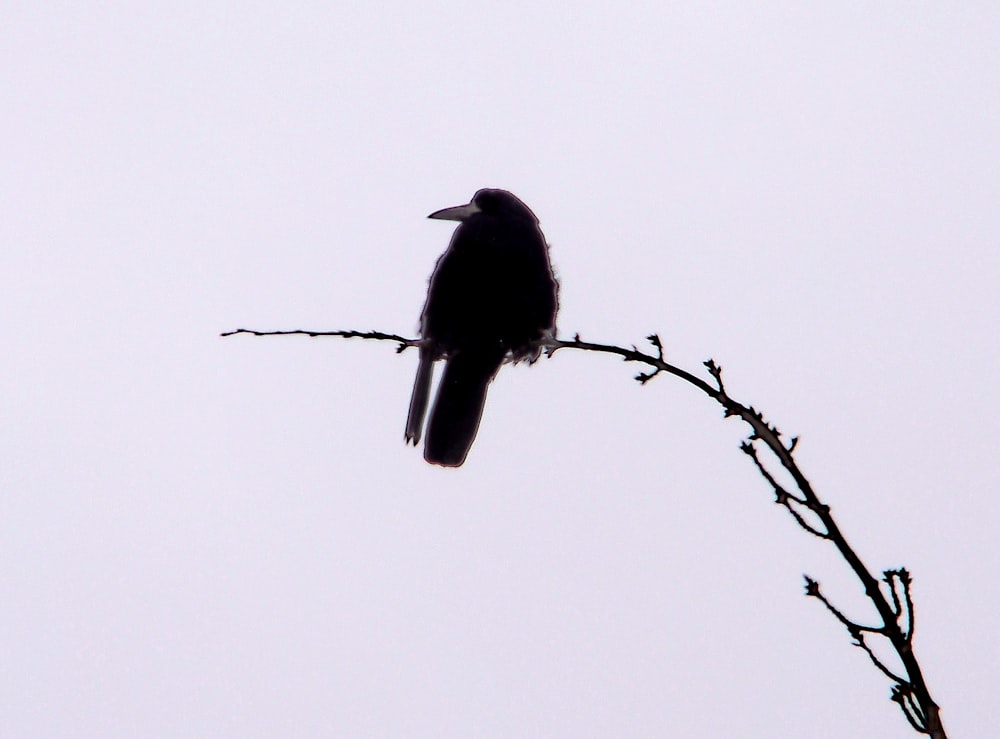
(227, 537)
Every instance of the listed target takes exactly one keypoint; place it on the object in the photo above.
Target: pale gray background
(226, 537)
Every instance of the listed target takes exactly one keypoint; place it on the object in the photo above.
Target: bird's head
(491, 202)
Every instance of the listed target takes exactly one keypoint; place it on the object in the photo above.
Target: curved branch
(911, 692)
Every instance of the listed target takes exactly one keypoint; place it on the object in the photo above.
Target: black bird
(491, 295)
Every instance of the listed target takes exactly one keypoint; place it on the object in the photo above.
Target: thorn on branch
(715, 371)
(791, 447)
(643, 377)
(812, 587)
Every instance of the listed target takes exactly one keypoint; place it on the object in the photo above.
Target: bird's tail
(418, 400)
(459, 405)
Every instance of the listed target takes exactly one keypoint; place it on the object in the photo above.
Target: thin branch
(896, 580)
(912, 693)
(781, 496)
(903, 695)
(897, 607)
(404, 343)
(857, 631)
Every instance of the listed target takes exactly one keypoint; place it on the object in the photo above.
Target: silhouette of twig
(896, 611)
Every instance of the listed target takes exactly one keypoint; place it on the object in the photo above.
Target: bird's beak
(458, 213)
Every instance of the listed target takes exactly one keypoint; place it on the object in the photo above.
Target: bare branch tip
(812, 587)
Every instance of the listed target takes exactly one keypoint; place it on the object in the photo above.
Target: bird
(492, 296)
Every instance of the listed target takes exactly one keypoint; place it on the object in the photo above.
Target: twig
(404, 343)
(782, 496)
(857, 631)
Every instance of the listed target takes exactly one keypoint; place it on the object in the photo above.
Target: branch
(910, 692)
(782, 496)
(858, 632)
(403, 342)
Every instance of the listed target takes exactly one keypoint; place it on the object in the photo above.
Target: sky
(226, 537)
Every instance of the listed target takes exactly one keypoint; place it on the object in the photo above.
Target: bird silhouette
(492, 294)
